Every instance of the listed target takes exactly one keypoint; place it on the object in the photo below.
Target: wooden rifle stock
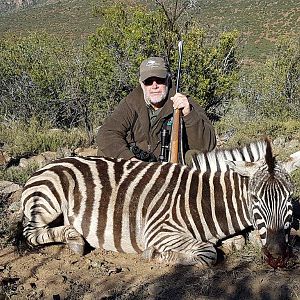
(176, 127)
(175, 136)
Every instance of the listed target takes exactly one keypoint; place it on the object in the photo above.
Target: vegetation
(260, 23)
(18, 175)
(21, 139)
(268, 97)
(114, 56)
(48, 82)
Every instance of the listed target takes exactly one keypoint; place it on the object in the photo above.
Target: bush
(44, 79)
(21, 139)
(33, 70)
(18, 175)
(125, 38)
(236, 131)
(272, 90)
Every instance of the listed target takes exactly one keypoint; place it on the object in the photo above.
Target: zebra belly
(111, 238)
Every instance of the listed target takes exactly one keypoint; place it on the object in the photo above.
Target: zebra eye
(287, 225)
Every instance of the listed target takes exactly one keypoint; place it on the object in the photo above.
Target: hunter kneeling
(140, 126)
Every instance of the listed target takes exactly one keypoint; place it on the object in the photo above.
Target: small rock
(7, 187)
(63, 152)
(254, 238)
(33, 285)
(232, 244)
(49, 155)
(86, 151)
(114, 270)
(280, 141)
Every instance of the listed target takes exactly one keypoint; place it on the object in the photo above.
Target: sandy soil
(54, 272)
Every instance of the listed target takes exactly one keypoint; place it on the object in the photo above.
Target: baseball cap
(153, 67)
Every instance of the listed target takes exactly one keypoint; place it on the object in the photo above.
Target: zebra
(216, 160)
(163, 211)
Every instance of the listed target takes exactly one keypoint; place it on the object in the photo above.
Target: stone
(254, 238)
(4, 158)
(49, 156)
(7, 187)
(232, 244)
(86, 151)
(63, 152)
(38, 160)
(280, 142)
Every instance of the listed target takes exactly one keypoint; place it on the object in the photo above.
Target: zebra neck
(219, 201)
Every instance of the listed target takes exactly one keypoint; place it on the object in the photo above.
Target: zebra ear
(244, 168)
(293, 163)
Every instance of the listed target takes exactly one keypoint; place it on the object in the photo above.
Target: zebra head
(269, 199)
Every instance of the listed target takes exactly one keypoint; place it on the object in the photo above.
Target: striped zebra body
(166, 211)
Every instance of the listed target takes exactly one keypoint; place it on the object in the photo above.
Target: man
(134, 130)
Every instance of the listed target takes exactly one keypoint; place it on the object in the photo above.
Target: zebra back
(215, 160)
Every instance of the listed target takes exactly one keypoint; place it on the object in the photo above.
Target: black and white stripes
(167, 211)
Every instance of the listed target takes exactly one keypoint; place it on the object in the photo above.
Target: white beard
(157, 99)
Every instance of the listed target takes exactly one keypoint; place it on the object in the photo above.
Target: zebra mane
(216, 159)
(270, 159)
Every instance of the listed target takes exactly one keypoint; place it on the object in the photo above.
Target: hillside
(260, 22)
(72, 19)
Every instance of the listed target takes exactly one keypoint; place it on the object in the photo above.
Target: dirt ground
(54, 272)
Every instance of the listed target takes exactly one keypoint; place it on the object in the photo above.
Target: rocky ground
(53, 272)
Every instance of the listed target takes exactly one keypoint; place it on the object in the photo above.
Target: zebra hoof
(77, 248)
(149, 253)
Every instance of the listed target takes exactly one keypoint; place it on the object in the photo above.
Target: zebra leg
(62, 234)
(180, 248)
(203, 256)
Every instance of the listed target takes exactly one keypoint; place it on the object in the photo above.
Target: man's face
(155, 91)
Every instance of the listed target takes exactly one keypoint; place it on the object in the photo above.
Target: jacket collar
(140, 107)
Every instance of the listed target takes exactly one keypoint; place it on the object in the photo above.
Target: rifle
(176, 127)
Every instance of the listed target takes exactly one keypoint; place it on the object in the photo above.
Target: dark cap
(153, 67)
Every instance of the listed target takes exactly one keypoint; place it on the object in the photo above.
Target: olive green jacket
(130, 123)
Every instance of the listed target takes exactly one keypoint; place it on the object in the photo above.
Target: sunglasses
(149, 81)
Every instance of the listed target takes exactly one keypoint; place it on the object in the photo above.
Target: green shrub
(238, 131)
(126, 37)
(18, 175)
(272, 90)
(44, 78)
(22, 139)
(33, 70)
